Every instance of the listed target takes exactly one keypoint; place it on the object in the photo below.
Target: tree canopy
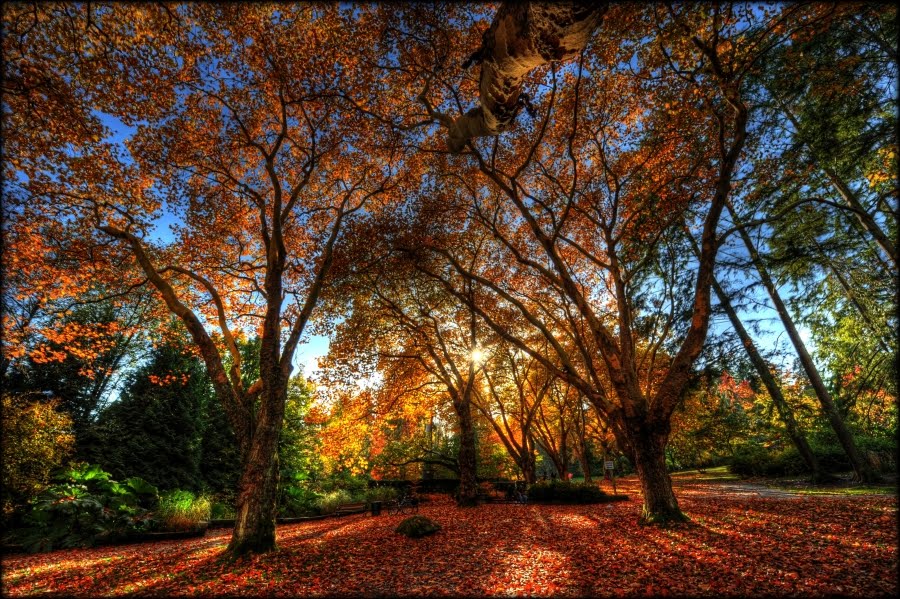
(541, 227)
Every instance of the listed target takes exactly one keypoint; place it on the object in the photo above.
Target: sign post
(610, 467)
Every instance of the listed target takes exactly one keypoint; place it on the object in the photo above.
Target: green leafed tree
(155, 429)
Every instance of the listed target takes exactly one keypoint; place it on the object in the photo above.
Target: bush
(37, 440)
(755, 460)
(418, 526)
(749, 460)
(221, 504)
(219, 510)
(298, 501)
(87, 507)
(380, 494)
(329, 502)
(565, 491)
(181, 510)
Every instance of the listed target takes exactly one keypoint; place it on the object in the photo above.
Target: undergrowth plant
(182, 510)
(86, 507)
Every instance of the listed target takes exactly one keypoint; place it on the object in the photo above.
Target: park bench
(350, 508)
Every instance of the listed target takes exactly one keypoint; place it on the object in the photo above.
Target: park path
(754, 490)
(710, 485)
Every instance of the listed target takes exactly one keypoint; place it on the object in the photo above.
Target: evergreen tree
(155, 429)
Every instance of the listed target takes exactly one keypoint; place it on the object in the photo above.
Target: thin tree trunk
(849, 197)
(528, 467)
(582, 447)
(865, 219)
(848, 291)
(585, 464)
(468, 484)
(858, 461)
(427, 467)
(762, 369)
(564, 459)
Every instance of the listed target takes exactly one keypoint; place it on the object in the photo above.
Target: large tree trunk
(468, 483)
(649, 450)
(858, 461)
(254, 525)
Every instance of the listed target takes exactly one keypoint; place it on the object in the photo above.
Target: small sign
(609, 465)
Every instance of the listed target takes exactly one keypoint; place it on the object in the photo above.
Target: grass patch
(844, 491)
(182, 510)
(719, 473)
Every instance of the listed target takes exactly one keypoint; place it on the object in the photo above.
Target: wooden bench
(350, 508)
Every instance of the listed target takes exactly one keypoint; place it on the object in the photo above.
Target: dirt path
(754, 490)
(719, 483)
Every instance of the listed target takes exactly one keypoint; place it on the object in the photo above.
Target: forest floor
(744, 539)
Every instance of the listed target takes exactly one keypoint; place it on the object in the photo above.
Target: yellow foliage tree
(37, 438)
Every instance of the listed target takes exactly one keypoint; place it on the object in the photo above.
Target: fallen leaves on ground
(738, 543)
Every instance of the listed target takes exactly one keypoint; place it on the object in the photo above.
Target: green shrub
(181, 510)
(418, 526)
(749, 459)
(566, 492)
(755, 460)
(329, 502)
(86, 507)
(297, 500)
(221, 511)
(221, 505)
(380, 494)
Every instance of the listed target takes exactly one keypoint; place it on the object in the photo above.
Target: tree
(517, 386)
(605, 222)
(858, 460)
(155, 429)
(237, 133)
(556, 425)
(407, 318)
(37, 439)
(299, 445)
(78, 352)
(765, 374)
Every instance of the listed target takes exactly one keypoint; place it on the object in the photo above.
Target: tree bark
(858, 461)
(254, 524)
(528, 466)
(522, 37)
(428, 468)
(254, 527)
(468, 484)
(649, 448)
